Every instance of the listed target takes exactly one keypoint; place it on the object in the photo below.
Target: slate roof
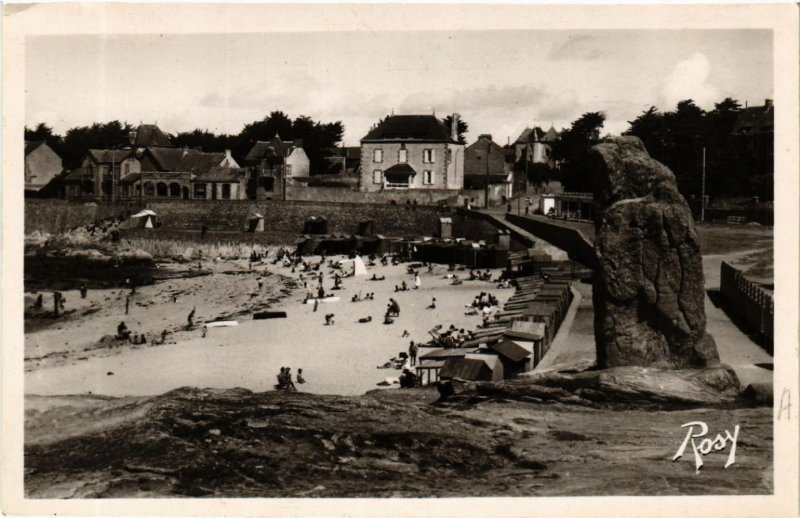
(400, 169)
(189, 160)
(423, 128)
(511, 350)
(75, 175)
(274, 148)
(148, 135)
(755, 120)
(107, 156)
(222, 174)
(465, 368)
(537, 134)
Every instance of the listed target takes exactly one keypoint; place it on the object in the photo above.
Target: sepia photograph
(444, 258)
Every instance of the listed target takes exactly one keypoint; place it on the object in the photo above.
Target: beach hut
(446, 227)
(146, 218)
(515, 355)
(316, 225)
(255, 223)
(366, 228)
(473, 367)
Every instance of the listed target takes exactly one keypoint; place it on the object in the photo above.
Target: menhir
(648, 290)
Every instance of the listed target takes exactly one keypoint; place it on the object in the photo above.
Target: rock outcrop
(648, 291)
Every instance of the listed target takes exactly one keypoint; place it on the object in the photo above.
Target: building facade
(411, 152)
(486, 161)
(269, 163)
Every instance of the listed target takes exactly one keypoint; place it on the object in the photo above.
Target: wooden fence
(751, 305)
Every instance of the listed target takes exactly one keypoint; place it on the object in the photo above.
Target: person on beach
(83, 291)
(39, 302)
(122, 331)
(365, 320)
(412, 353)
(190, 319)
(300, 378)
(417, 281)
(288, 379)
(432, 305)
(205, 330)
(405, 333)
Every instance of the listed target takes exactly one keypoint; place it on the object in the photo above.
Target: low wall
(281, 218)
(299, 192)
(749, 304)
(54, 216)
(571, 240)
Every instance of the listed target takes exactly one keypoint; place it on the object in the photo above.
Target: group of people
(329, 319)
(392, 312)
(484, 300)
(357, 297)
(480, 276)
(285, 379)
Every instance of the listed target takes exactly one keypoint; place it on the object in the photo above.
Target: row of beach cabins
(511, 344)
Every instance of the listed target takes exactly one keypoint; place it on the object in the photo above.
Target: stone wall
(571, 240)
(299, 192)
(232, 216)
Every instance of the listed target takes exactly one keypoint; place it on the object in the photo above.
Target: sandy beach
(65, 358)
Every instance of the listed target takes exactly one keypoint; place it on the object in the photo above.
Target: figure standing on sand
(190, 319)
(412, 353)
(83, 291)
(417, 281)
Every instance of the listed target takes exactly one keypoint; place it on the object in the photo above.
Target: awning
(143, 213)
(400, 171)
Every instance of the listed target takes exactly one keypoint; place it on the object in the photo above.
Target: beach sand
(338, 359)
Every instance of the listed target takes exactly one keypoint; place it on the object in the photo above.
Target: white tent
(148, 216)
(360, 267)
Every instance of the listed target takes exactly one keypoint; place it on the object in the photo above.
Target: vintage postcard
(413, 260)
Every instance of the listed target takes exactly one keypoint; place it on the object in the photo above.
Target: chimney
(454, 128)
(767, 103)
(228, 157)
(485, 136)
(132, 136)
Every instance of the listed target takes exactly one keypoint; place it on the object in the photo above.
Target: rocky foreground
(191, 442)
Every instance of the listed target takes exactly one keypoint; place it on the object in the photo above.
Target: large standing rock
(648, 291)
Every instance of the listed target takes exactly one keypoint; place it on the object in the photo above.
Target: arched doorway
(185, 193)
(174, 190)
(161, 189)
(149, 189)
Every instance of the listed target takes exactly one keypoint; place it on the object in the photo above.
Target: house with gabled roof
(412, 152)
(540, 145)
(268, 163)
(486, 161)
(42, 165)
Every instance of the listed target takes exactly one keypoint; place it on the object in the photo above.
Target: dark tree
(572, 150)
(45, 133)
(463, 127)
(78, 141)
(203, 140)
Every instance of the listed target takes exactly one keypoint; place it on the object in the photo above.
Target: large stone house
(269, 162)
(411, 152)
(187, 174)
(42, 164)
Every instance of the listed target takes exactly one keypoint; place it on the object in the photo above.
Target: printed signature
(699, 429)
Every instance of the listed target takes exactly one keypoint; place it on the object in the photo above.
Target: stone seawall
(280, 217)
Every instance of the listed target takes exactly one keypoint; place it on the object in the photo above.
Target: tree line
(317, 138)
(675, 138)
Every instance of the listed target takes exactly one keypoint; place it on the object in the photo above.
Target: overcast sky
(499, 81)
